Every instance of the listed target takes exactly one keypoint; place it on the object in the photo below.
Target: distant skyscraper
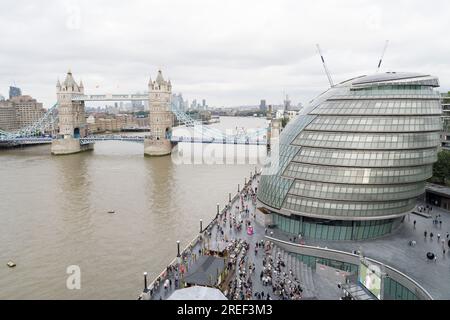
(2, 98)
(28, 110)
(263, 106)
(177, 102)
(287, 104)
(137, 105)
(203, 104)
(7, 116)
(14, 92)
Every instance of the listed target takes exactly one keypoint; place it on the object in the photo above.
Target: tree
(441, 169)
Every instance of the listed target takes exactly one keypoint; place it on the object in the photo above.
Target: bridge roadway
(92, 139)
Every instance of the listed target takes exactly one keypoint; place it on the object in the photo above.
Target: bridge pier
(69, 146)
(157, 147)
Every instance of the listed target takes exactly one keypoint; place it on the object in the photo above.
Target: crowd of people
(230, 229)
(443, 241)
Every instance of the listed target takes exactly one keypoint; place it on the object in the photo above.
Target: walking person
(414, 224)
(425, 233)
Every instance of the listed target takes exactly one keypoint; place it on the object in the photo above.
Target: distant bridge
(95, 138)
(33, 134)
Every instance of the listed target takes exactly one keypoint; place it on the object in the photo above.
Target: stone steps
(300, 271)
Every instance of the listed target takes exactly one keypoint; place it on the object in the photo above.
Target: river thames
(54, 213)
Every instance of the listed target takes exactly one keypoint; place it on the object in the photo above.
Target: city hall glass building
(352, 164)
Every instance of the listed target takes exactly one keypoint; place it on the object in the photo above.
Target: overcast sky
(229, 52)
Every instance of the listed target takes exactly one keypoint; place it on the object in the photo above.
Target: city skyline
(215, 53)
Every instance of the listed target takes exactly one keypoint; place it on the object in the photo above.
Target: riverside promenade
(265, 273)
(246, 277)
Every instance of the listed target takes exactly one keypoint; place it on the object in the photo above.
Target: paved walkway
(212, 238)
(393, 250)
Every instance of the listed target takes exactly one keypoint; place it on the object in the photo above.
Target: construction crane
(382, 55)
(325, 66)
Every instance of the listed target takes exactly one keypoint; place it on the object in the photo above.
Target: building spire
(159, 77)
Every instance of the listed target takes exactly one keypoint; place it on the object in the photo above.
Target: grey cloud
(230, 52)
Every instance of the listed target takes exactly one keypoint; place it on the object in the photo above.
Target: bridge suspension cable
(50, 118)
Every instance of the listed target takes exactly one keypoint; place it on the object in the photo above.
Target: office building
(352, 164)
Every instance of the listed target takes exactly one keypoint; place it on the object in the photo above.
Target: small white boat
(11, 264)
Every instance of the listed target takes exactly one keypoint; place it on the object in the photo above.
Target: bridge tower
(72, 120)
(161, 118)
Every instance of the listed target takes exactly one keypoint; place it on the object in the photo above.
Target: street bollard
(145, 282)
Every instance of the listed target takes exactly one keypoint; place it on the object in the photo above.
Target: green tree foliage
(441, 169)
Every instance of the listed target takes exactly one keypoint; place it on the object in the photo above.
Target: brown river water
(54, 214)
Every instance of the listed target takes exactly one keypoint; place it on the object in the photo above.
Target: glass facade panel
(376, 124)
(366, 158)
(378, 107)
(358, 175)
(347, 209)
(311, 228)
(354, 192)
(367, 141)
(395, 291)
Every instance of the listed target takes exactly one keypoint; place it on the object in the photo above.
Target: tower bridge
(68, 114)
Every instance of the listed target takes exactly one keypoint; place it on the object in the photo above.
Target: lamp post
(218, 209)
(239, 188)
(245, 183)
(178, 249)
(201, 225)
(229, 197)
(145, 283)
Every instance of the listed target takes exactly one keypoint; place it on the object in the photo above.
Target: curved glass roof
(388, 76)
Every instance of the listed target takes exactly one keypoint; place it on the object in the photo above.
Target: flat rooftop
(438, 189)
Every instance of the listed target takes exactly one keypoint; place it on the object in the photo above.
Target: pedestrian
(440, 223)
(431, 235)
(447, 235)
(425, 233)
(438, 237)
(414, 224)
